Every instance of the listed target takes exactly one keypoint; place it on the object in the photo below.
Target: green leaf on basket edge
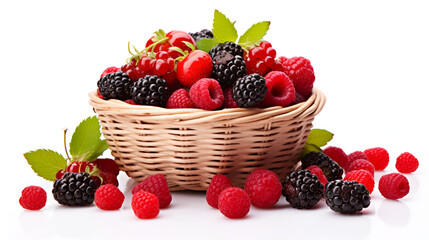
(46, 163)
(223, 29)
(206, 44)
(310, 148)
(319, 137)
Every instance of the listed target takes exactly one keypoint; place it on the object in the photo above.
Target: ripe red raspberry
(393, 186)
(110, 70)
(300, 71)
(280, 90)
(234, 202)
(180, 99)
(145, 205)
(319, 173)
(130, 101)
(156, 184)
(207, 94)
(406, 163)
(107, 165)
(338, 155)
(228, 101)
(378, 156)
(355, 156)
(264, 188)
(33, 198)
(260, 59)
(218, 183)
(363, 177)
(99, 94)
(108, 178)
(361, 164)
(108, 197)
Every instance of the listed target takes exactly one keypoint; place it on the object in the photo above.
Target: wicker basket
(190, 146)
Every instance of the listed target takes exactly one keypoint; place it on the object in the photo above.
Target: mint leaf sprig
(224, 31)
(85, 145)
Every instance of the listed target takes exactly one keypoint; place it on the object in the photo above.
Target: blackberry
(74, 189)
(330, 168)
(205, 33)
(227, 68)
(150, 90)
(249, 90)
(302, 189)
(346, 196)
(230, 47)
(115, 86)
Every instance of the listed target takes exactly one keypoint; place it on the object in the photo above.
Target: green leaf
(86, 139)
(206, 44)
(46, 163)
(98, 150)
(319, 137)
(223, 28)
(254, 34)
(310, 148)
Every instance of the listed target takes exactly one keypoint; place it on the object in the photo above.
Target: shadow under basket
(190, 146)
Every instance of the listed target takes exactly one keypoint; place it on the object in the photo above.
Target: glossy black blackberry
(205, 33)
(74, 189)
(228, 68)
(346, 196)
(249, 91)
(302, 189)
(115, 86)
(330, 168)
(150, 90)
(230, 47)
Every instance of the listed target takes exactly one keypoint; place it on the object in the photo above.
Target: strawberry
(196, 65)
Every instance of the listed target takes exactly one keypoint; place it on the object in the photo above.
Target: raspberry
(234, 202)
(228, 101)
(145, 205)
(110, 70)
(363, 177)
(156, 184)
(260, 59)
(406, 163)
(280, 90)
(338, 155)
(264, 188)
(218, 183)
(107, 165)
(393, 186)
(302, 189)
(355, 156)
(346, 197)
(109, 197)
(99, 94)
(361, 164)
(378, 156)
(300, 71)
(249, 90)
(207, 94)
(33, 198)
(315, 170)
(180, 99)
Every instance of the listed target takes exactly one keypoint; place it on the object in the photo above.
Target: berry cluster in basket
(209, 70)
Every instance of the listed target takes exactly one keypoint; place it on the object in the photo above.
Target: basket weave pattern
(190, 146)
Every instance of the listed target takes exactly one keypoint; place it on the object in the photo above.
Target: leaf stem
(65, 145)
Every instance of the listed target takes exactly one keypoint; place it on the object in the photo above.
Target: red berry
(338, 155)
(378, 156)
(60, 174)
(180, 99)
(393, 186)
(196, 65)
(260, 59)
(228, 101)
(264, 188)
(33, 198)
(109, 178)
(109, 197)
(234, 202)
(99, 94)
(110, 70)
(80, 166)
(319, 173)
(406, 163)
(107, 165)
(175, 39)
(355, 156)
(363, 177)
(130, 101)
(145, 205)
(300, 71)
(361, 164)
(218, 183)
(156, 184)
(280, 90)
(207, 94)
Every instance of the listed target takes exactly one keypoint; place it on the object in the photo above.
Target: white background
(370, 60)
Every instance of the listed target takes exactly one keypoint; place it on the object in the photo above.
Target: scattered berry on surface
(180, 99)
(109, 197)
(346, 197)
(33, 198)
(218, 183)
(150, 90)
(115, 86)
(74, 189)
(108, 178)
(302, 189)
(406, 163)
(280, 90)
(378, 156)
(145, 205)
(319, 173)
(361, 164)
(393, 186)
(249, 91)
(338, 155)
(330, 168)
(156, 184)
(363, 177)
(355, 156)
(263, 187)
(107, 165)
(234, 202)
(207, 94)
